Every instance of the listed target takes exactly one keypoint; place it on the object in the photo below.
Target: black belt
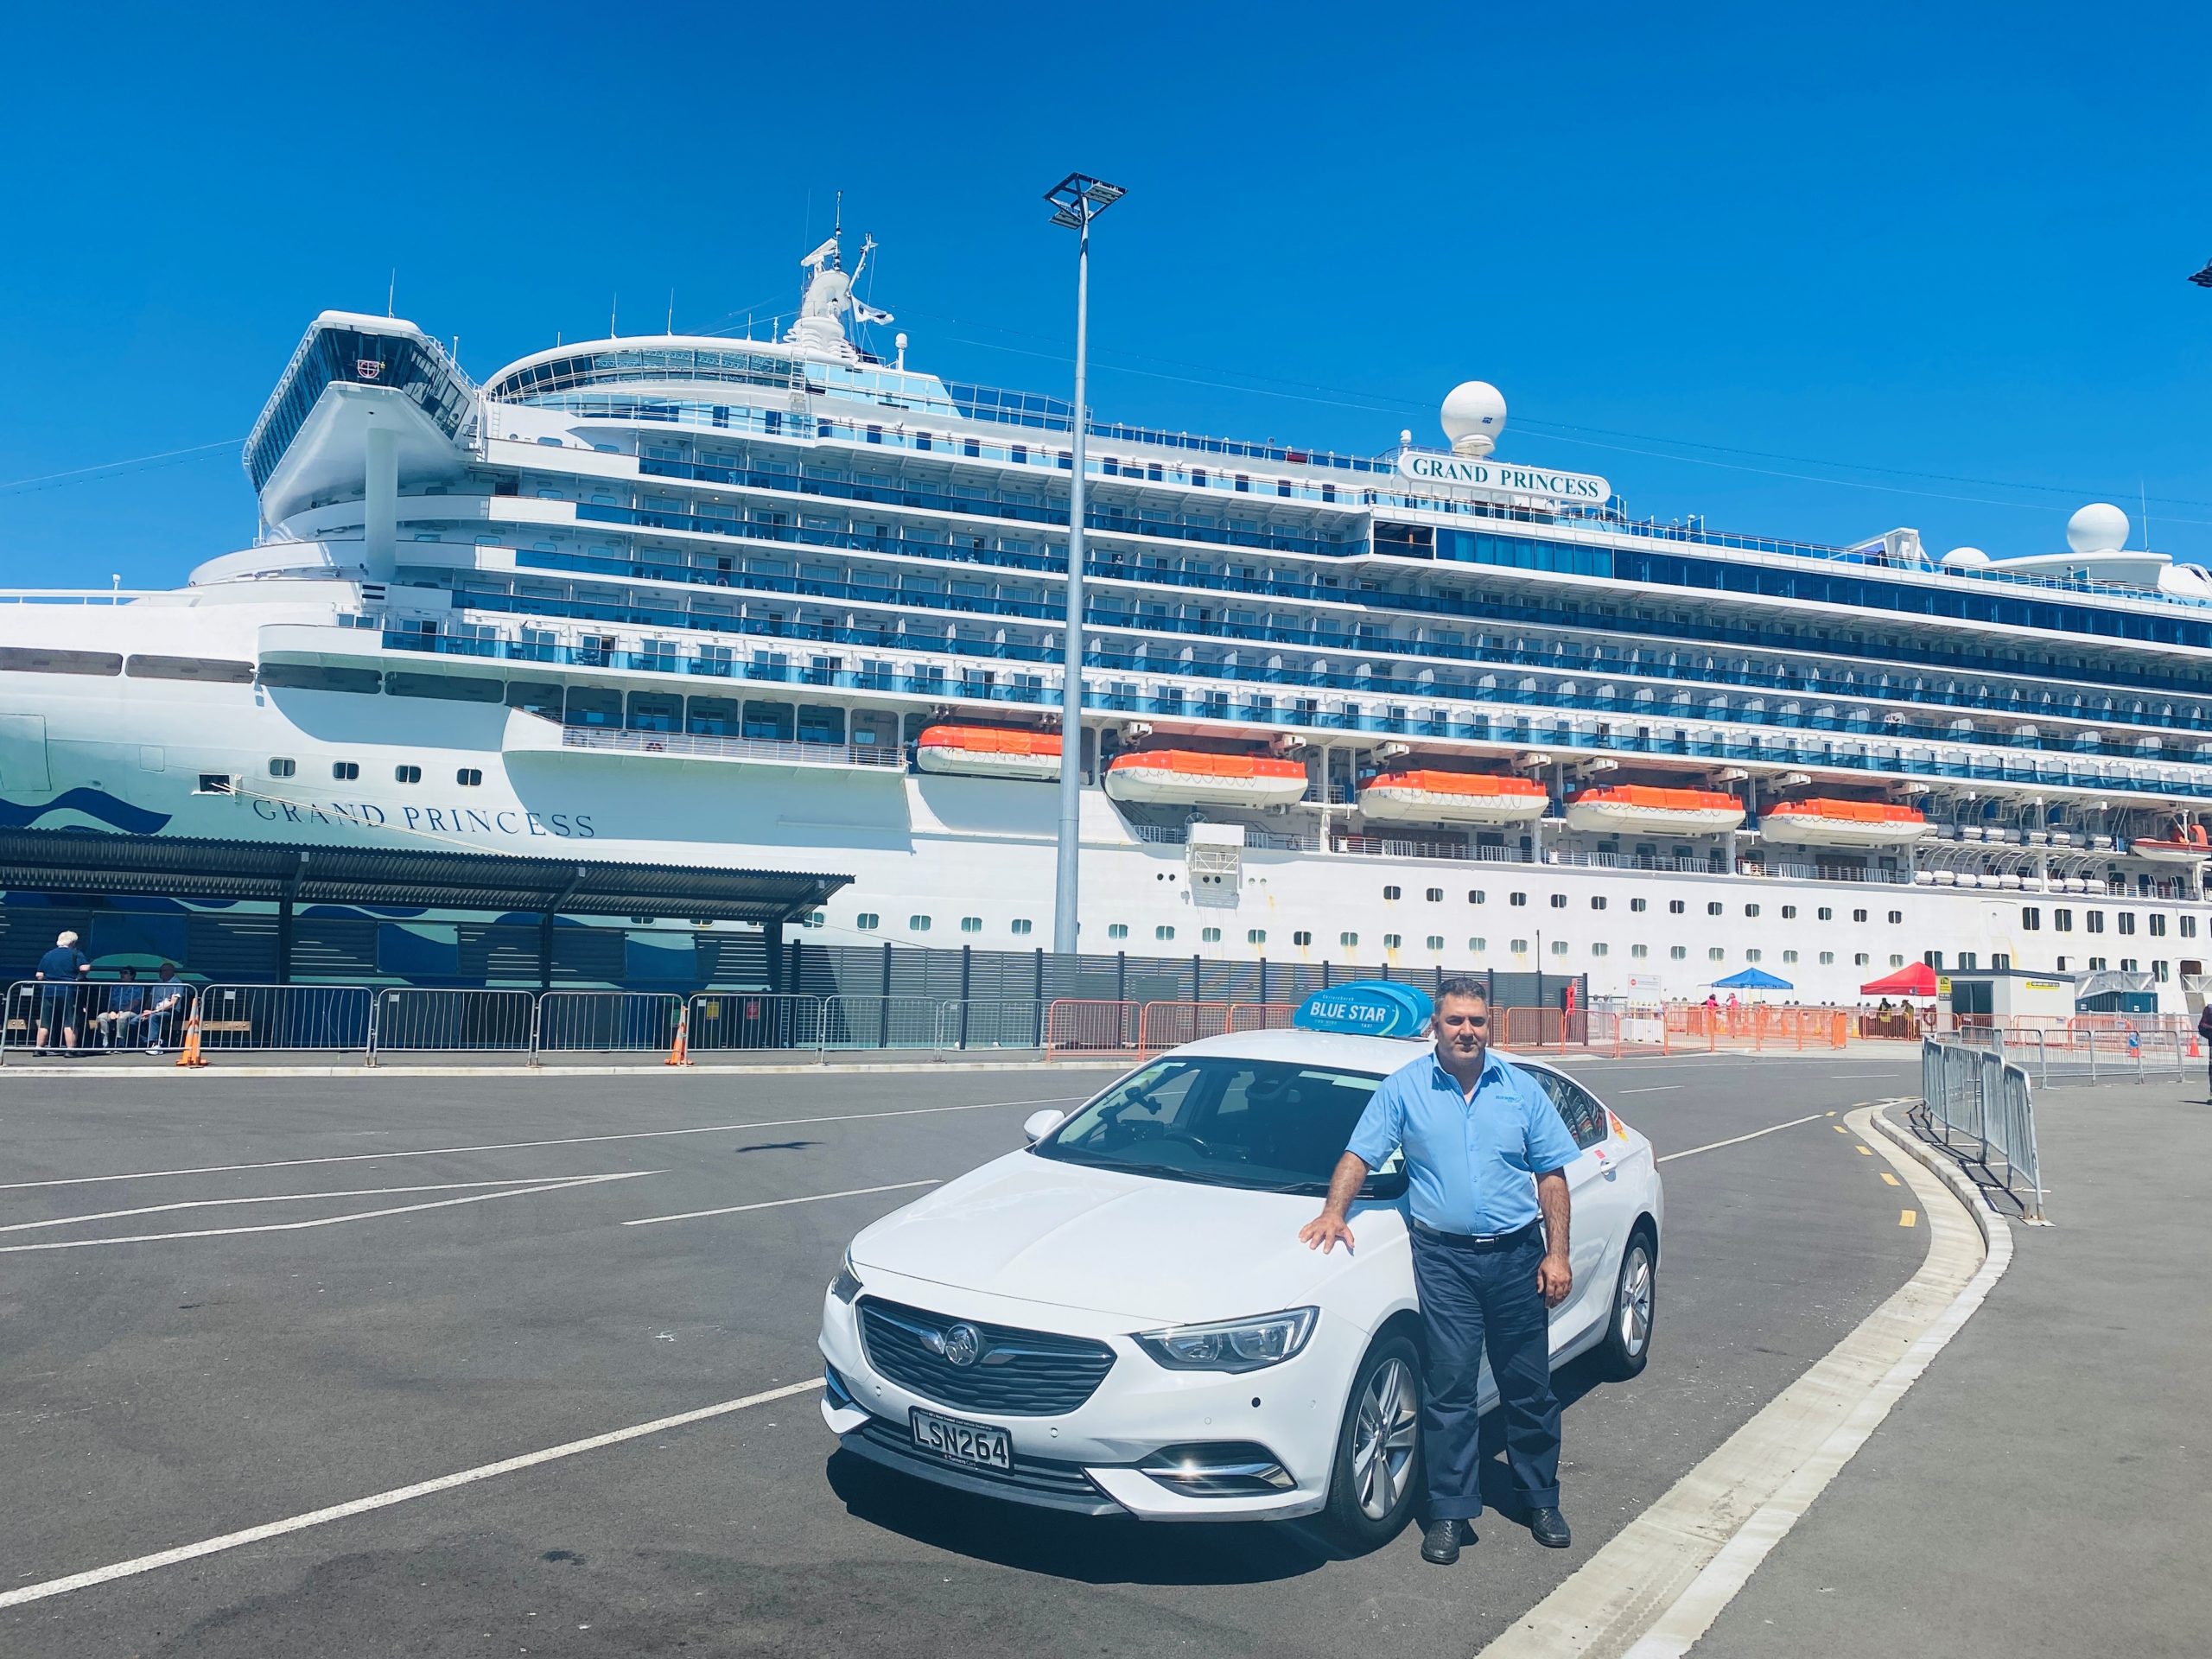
(1475, 1241)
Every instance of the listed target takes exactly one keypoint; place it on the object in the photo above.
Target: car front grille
(1043, 1477)
(1017, 1373)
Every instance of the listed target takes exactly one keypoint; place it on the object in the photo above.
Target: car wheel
(1628, 1329)
(1373, 1486)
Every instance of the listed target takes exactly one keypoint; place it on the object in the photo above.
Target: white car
(1120, 1317)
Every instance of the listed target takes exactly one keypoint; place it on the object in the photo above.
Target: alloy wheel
(1384, 1436)
(1632, 1317)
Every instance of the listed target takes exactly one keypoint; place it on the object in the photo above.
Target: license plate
(950, 1438)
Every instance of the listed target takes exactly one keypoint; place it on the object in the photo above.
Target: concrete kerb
(1657, 1587)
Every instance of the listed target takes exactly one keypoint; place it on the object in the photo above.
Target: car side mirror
(1038, 1125)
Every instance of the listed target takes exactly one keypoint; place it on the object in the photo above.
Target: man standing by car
(1486, 1154)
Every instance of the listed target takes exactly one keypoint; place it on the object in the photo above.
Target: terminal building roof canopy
(87, 861)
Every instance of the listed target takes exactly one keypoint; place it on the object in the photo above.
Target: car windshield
(1274, 1125)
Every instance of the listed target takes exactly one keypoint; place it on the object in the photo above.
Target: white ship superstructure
(699, 599)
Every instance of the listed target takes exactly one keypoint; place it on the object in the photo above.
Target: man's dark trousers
(1471, 1297)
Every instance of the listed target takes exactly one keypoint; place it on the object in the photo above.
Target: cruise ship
(789, 603)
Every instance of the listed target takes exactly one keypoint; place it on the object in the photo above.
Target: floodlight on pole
(1077, 199)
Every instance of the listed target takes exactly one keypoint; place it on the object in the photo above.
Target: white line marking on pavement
(386, 1500)
(328, 1221)
(1653, 1088)
(522, 1146)
(778, 1204)
(280, 1197)
(1738, 1140)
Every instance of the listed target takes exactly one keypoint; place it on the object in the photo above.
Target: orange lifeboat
(988, 751)
(2189, 844)
(1191, 777)
(1452, 797)
(1639, 809)
(1820, 821)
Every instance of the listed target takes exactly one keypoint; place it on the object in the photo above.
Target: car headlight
(1231, 1344)
(847, 1285)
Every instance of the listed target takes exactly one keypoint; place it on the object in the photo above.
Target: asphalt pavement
(347, 1288)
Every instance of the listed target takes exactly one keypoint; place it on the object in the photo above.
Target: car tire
(1375, 1478)
(1632, 1318)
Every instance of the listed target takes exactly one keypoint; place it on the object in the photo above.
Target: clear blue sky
(1936, 250)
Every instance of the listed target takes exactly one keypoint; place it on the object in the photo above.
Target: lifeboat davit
(1452, 797)
(1826, 822)
(1640, 809)
(1191, 777)
(988, 751)
(2189, 844)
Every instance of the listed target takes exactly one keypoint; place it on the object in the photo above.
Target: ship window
(1559, 901)
(2126, 919)
(1601, 949)
(1858, 915)
(1674, 906)
(1825, 913)
(1519, 947)
(1789, 912)
(918, 923)
(1390, 893)
(214, 782)
(535, 697)
(592, 705)
(1898, 961)
(469, 777)
(655, 711)
(819, 723)
(1436, 941)
(2157, 927)
(1301, 938)
(1348, 939)
(180, 668)
(2031, 919)
(868, 921)
(2062, 921)
(772, 722)
(971, 924)
(1597, 901)
(1677, 953)
(1022, 924)
(1257, 935)
(1475, 896)
(1714, 908)
(1751, 909)
(345, 771)
(407, 774)
(1435, 895)
(1639, 906)
(1639, 951)
(1393, 941)
(1163, 933)
(2096, 921)
(1478, 945)
(1117, 930)
(1755, 954)
(452, 688)
(1517, 898)
(1828, 959)
(1559, 947)
(2188, 927)
(303, 677)
(1716, 954)
(280, 767)
(30, 659)
(712, 717)
(1210, 936)
(1896, 917)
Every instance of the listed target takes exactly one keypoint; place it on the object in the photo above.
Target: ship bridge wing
(352, 372)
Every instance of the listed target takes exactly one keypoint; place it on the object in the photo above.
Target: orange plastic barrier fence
(1260, 1016)
(1073, 1027)
(1170, 1025)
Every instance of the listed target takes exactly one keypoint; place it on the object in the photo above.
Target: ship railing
(79, 595)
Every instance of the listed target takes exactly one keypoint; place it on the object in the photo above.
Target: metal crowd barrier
(241, 1018)
(94, 1016)
(879, 1021)
(606, 1022)
(415, 1020)
(1977, 1093)
(730, 1021)
(990, 1022)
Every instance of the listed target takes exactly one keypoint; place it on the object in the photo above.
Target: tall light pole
(1078, 200)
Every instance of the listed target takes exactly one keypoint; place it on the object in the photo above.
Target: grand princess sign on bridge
(1502, 478)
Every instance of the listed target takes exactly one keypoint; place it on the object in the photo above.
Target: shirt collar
(1492, 1067)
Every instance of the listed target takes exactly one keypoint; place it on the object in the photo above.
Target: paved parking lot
(346, 1287)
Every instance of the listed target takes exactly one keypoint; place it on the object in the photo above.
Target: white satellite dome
(1965, 558)
(2098, 528)
(1474, 417)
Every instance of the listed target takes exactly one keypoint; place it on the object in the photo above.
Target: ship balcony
(531, 734)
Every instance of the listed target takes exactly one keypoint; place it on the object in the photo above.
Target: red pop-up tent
(1919, 980)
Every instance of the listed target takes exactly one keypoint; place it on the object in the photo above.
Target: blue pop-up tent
(1753, 979)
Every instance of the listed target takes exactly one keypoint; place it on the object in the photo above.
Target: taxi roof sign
(1367, 1008)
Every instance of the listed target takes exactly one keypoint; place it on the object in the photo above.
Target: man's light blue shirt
(1471, 1162)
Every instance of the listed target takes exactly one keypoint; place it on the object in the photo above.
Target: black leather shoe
(1440, 1542)
(1548, 1528)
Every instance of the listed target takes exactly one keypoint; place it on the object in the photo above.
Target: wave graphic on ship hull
(96, 804)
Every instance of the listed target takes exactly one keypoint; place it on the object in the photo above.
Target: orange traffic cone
(190, 1054)
(679, 1051)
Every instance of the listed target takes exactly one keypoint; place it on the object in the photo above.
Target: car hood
(1070, 1236)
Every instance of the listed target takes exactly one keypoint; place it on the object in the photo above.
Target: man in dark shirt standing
(60, 971)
